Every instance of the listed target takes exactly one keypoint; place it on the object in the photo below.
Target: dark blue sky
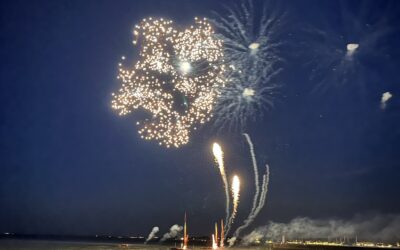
(70, 165)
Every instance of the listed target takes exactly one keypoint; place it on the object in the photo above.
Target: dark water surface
(59, 245)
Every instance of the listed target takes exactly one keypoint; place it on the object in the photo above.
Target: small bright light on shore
(185, 67)
(351, 47)
(247, 92)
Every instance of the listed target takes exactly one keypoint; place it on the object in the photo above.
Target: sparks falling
(219, 159)
(173, 65)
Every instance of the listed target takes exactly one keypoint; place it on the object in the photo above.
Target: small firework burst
(251, 52)
(343, 55)
(250, 38)
(245, 96)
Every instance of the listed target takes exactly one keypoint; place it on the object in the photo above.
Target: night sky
(69, 164)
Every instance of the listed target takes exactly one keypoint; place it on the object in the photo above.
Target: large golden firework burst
(176, 79)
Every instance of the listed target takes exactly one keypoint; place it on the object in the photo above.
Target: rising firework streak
(235, 196)
(222, 234)
(185, 242)
(214, 243)
(216, 233)
(219, 159)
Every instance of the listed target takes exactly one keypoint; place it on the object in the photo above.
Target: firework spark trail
(260, 205)
(219, 159)
(235, 195)
(255, 169)
(264, 192)
(259, 198)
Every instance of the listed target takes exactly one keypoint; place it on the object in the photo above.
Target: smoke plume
(173, 232)
(259, 198)
(377, 228)
(152, 234)
(232, 241)
(255, 169)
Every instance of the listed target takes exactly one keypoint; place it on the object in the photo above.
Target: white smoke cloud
(385, 98)
(253, 237)
(377, 228)
(173, 232)
(152, 234)
(232, 241)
